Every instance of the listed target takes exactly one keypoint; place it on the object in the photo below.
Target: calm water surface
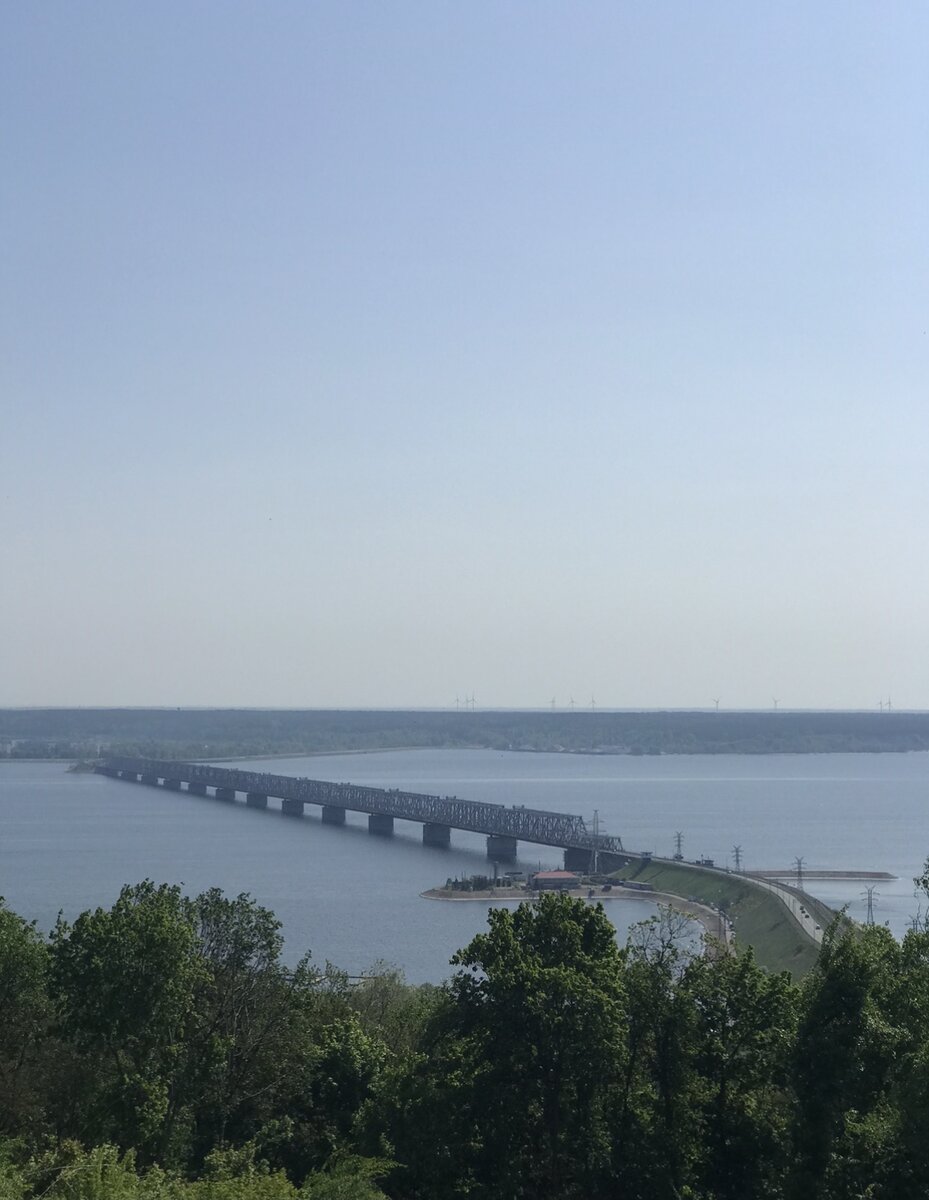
(70, 841)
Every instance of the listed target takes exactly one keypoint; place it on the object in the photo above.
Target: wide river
(70, 841)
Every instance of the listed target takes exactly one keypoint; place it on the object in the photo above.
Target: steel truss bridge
(504, 826)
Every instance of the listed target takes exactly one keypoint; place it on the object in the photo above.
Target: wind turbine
(472, 702)
(571, 704)
(553, 703)
(776, 702)
(593, 704)
(457, 704)
(716, 702)
(881, 703)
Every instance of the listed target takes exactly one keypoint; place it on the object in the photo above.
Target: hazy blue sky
(374, 353)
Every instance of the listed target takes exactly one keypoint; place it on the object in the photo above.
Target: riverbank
(713, 925)
(783, 926)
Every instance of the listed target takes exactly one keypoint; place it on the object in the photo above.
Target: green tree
(349, 1178)
(652, 1124)
(391, 1009)
(124, 982)
(743, 1032)
(338, 1070)
(893, 1133)
(847, 1045)
(519, 1062)
(249, 1017)
(23, 1027)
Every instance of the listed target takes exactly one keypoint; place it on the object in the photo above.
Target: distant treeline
(160, 1050)
(218, 733)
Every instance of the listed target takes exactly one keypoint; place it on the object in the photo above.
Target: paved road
(796, 904)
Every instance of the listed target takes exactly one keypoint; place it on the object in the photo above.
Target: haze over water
(70, 841)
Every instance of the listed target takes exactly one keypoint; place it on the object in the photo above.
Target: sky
(364, 354)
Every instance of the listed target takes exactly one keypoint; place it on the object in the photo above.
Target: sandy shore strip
(713, 925)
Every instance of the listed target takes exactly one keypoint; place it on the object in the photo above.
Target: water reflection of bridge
(503, 826)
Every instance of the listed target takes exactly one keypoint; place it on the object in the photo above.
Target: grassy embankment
(760, 920)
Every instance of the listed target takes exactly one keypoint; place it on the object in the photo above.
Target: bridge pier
(437, 815)
(501, 848)
(436, 835)
(576, 859)
(607, 862)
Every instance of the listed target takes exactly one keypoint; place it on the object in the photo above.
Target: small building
(555, 881)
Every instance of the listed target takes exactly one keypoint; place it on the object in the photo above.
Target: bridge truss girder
(524, 824)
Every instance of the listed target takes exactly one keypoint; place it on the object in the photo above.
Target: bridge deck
(566, 830)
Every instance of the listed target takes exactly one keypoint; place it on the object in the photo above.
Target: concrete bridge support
(151, 780)
(382, 824)
(173, 785)
(607, 863)
(197, 789)
(332, 815)
(256, 800)
(225, 793)
(292, 808)
(583, 860)
(577, 860)
(436, 835)
(501, 848)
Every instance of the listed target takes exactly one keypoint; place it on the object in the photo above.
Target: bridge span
(503, 826)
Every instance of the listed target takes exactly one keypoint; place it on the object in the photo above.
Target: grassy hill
(760, 920)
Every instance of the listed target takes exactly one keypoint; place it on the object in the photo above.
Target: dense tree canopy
(161, 1048)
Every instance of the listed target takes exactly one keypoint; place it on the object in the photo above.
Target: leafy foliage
(160, 1050)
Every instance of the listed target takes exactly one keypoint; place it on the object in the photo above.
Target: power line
(870, 893)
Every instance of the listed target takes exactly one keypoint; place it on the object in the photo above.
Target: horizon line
(577, 710)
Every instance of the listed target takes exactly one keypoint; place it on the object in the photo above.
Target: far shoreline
(68, 761)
